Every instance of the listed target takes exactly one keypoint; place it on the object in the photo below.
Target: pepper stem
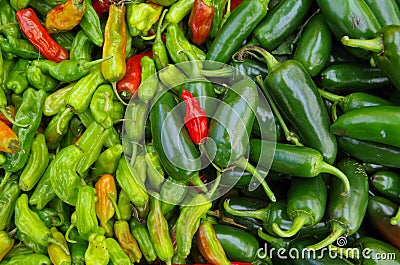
(272, 62)
(114, 86)
(374, 45)
(334, 112)
(261, 214)
(396, 219)
(62, 116)
(195, 180)
(55, 242)
(159, 26)
(323, 167)
(214, 187)
(330, 96)
(290, 136)
(298, 223)
(329, 239)
(90, 64)
(276, 242)
(8, 117)
(114, 203)
(243, 163)
(5, 179)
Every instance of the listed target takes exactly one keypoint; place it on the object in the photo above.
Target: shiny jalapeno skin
(242, 21)
(281, 22)
(386, 12)
(379, 212)
(315, 46)
(350, 17)
(379, 124)
(115, 44)
(387, 183)
(304, 208)
(346, 213)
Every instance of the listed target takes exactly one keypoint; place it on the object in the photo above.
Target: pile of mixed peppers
(75, 75)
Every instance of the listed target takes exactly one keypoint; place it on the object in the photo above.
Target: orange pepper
(66, 16)
(9, 142)
(104, 208)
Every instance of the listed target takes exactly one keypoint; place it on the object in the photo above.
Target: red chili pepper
(195, 120)
(9, 142)
(200, 21)
(127, 87)
(101, 6)
(38, 36)
(77, 138)
(235, 3)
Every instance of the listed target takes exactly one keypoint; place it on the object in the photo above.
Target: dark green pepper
(142, 236)
(346, 213)
(218, 19)
(387, 183)
(387, 12)
(108, 161)
(242, 22)
(37, 163)
(90, 24)
(9, 194)
(251, 67)
(82, 47)
(303, 209)
(30, 112)
(41, 7)
(50, 217)
(39, 80)
(240, 104)
(64, 39)
(282, 21)
(315, 45)
(17, 81)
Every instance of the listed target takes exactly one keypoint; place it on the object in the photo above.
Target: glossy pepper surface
(66, 16)
(90, 23)
(200, 21)
(141, 17)
(9, 193)
(39, 37)
(195, 119)
(9, 140)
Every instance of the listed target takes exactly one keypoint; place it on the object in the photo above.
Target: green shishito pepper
(29, 223)
(9, 194)
(30, 112)
(90, 24)
(379, 124)
(346, 213)
(116, 253)
(108, 161)
(82, 47)
(385, 48)
(143, 238)
(239, 25)
(17, 81)
(97, 253)
(176, 143)
(302, 208)
(231, 127)
(19, 47)
(30, 259)
(7, 16)
(296, 95)
(86, 219)
(350, 17)
(281, 22)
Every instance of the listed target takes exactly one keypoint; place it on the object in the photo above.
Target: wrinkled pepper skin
(30, 112)
(82, 47)
(56, 100)
(141, 17)
(108, 161)
(243, 21)
(86, 219)
(39, 80)
(281, 22)
(97, 252)
(200, 21)
(56, 254)
(116, 253)
(64, 179)
(379, 213)
(66, 16)
(37, 163)
(90, 24)
(7, 15)
(141, 233)
(105, 187)
(17, 81)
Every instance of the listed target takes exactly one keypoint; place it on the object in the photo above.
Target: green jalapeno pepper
(37, 163)
(385, 50)
(315, 45)
(217, 23)
(9, 194)
(30, 112)
(281, 22)
(346, 213)
(236, 29)
(352, 18)
(142, 236)
(90, 24)
(176, 143)
(379, 213)
(387, 183)
(97, 253)
(387, 13)
(239, 109)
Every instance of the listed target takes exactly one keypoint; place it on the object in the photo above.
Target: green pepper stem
(62, 116)
(329, 96)
(98, 61)
(195, 180)
(159, 26)
(374, 45)
(215, 186)
(195, 71)
(243, 163)
(396, 219)
(5, 179)
(4, 112)
(323, 167)
(114, 203)
(329, 239)
(114, 86)
(223, 72)
(55, 242)
(334, 112)
(290, 136)
(298, 223)
(272, 62)
(276, 242)
(261, 214)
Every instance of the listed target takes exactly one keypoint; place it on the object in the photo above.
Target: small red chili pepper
(76, 139)
(9, 142)
(101, 6)
(200, 21)
(195, 120)
(38, 36)
(235, 3)
(127, 87)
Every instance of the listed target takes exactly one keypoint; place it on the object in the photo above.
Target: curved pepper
(141, 233)
(155, 171)
(9, 193)
(43, 192)
(159, 49)
(90, 23)
(66, 16)
(387, 183)
(7, 16)
(108, 161)
(56, 254)
(82, 47)
(38, 36)
(105, 187)
(56, 100)
(19, 47)
(85, 210)
(17, 81)
(38, 80)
